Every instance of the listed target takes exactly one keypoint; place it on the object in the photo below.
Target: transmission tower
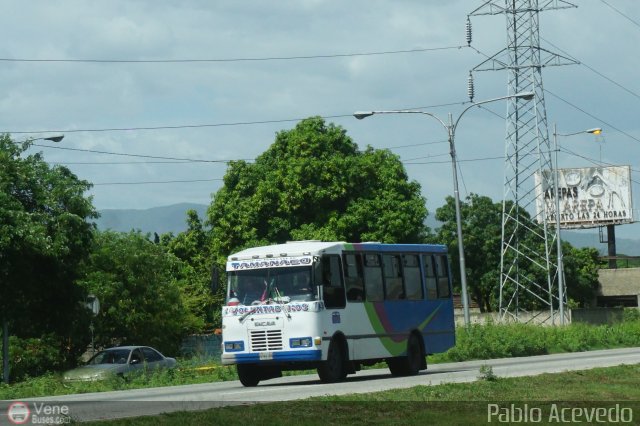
(528, 270)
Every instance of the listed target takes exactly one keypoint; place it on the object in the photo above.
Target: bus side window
(442, 268)
(430, 276)
(393, 277)
(373, 278)
(412, 279)
(354, 280)
(332, 285)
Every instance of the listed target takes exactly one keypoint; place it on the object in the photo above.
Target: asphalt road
(107, 405)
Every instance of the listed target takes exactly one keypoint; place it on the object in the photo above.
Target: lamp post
(5, 320)
(451, 127)
(556, 184)
(56, 138)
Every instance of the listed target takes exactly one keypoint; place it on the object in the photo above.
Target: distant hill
(173, 218)
(586, 238)
(629, 247)
(163, 219)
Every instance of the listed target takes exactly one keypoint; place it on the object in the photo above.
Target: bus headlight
(300, 342)
(234, 346)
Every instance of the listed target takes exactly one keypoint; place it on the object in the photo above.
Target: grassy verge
(571, 396)
(477, 342)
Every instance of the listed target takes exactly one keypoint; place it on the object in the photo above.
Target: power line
(626, 89)
(621, 14)
(598, 162)
(427, 156)
(174, 160)
(194, 126)
(459, 160)
(155, 182)
(184, 160)
(417, 144)
(591, 115)
(217, 60)
(592, 160)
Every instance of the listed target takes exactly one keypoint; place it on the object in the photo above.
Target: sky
(153, 98)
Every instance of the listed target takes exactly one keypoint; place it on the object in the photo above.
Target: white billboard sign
(589, 197)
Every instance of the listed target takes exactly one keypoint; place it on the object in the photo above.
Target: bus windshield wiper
(246, 314)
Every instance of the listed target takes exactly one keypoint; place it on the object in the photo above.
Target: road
(108, 405)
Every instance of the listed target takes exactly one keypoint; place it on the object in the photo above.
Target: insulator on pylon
(470, 87)
(468, 31)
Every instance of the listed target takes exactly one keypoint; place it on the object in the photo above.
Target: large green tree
(314, 183)
(138, 284)
(44, 238)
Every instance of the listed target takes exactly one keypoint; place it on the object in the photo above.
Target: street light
(56, 138)
(556, 182)
(5, 321)
(450, 127)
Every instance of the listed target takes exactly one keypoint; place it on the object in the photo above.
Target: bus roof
(300, 248)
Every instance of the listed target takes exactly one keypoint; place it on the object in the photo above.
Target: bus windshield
(257, 286)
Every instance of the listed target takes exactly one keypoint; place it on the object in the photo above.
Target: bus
(335, 307)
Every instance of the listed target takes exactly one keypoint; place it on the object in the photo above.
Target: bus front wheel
(248, 375)
(333, 369)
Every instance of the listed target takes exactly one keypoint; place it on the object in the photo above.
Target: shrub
(631, 314)
(34, 357)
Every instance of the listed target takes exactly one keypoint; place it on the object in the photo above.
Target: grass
(577, 392)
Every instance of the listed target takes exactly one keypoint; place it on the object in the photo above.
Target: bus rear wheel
(410, 364)
(248, 375)
(333, 369)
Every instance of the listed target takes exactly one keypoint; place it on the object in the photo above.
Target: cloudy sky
(154, 97)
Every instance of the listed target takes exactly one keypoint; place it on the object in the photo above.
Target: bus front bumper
(271, 357)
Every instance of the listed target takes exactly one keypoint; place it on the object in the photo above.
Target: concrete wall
(598, 316)
(534, 317)
(619, 282)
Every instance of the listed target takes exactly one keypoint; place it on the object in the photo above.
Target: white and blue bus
(336, 306)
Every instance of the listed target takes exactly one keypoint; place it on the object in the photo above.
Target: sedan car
(120, 361)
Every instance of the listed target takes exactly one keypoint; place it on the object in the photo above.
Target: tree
(44, 239)
(581, 273)
(191, 246)
(482, 234)
(138, 284)
(481, 230)
(314, 183)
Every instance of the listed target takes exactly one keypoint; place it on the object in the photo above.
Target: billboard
(589, 197)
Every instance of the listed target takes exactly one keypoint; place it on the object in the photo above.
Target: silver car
(120, 361)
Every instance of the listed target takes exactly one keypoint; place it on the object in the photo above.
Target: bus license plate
(266, 356)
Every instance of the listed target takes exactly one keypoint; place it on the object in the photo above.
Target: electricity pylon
(528, 275)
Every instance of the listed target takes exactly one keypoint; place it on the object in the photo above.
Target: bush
(34, 357)
(631, 314)
(498, 341)
(513, 340)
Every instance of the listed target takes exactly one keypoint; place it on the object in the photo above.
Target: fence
(202, 345)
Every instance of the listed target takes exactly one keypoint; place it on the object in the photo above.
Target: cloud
(59, 96)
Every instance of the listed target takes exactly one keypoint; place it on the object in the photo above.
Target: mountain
(586, 238)
(173, 218)
(163, 219)
(626, 246)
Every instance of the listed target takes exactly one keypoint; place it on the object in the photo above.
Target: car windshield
(110, 356)
(259, 285)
